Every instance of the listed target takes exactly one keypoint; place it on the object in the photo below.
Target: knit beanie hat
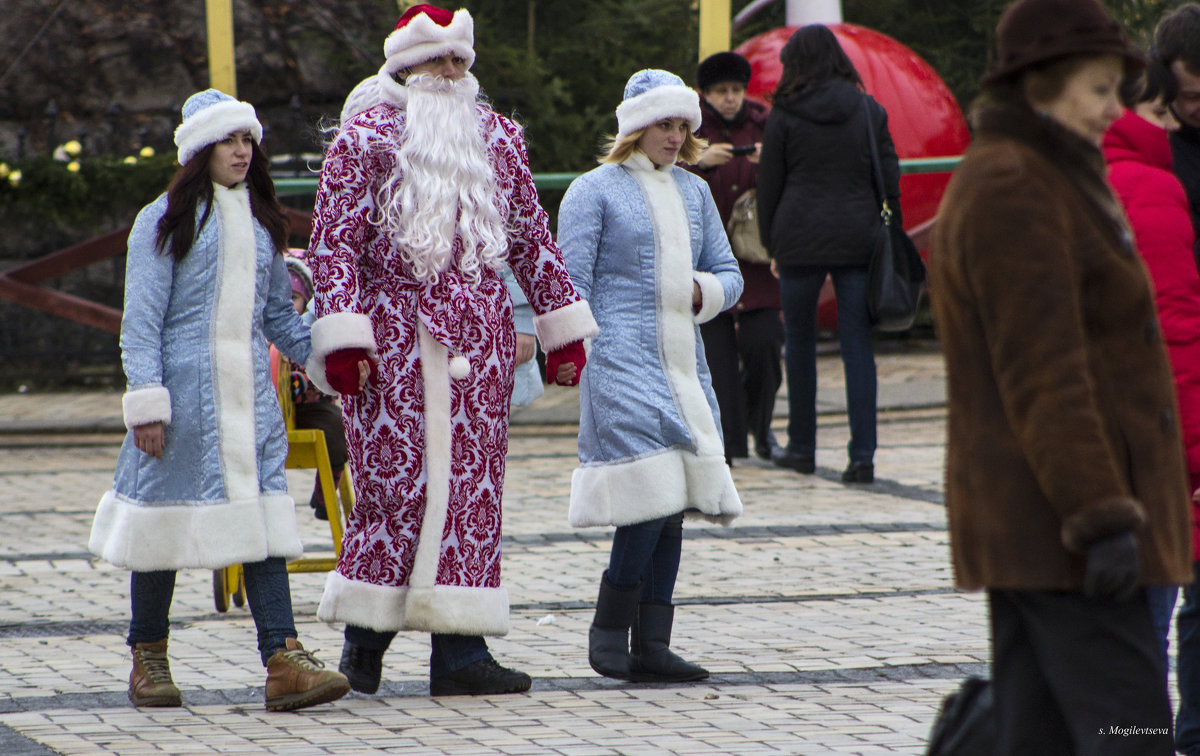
(1038, 31)
(721, 67)
(425, 32)
(300, 274)
(653, 95)
(209, 117)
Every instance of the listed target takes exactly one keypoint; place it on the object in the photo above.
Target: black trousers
(744, 360)
(1077, 676)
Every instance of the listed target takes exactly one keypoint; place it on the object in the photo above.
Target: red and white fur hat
(425, 32)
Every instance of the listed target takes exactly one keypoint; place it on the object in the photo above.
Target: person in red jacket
(751, 331)
(1138, 151)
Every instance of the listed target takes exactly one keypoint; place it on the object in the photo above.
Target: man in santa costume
(425, 194)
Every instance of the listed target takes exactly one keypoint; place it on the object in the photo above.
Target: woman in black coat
(818, 216)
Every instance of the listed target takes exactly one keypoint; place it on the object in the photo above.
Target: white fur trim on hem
(149, 404)
(438, 609)
(654, 486)
(656, 105)
(566, 325)
(712, 296)
(188, 534)
(338, 330)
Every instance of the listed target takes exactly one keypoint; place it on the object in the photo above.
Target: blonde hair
(618, 149)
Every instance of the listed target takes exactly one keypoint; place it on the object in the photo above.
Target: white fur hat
(652, 95)
(425, 32)
(209, 117)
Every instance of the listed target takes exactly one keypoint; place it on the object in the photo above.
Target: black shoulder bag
(896, 272)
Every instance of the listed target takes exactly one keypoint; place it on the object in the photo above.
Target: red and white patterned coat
(427, 451)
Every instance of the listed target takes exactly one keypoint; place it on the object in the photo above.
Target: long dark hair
(811, 56)
(192, 183)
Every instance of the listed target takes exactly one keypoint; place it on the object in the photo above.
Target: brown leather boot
(150, 681)
(296, 679)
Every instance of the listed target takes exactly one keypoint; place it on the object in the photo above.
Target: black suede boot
(363, 667)
(608, 637)
(652, 659)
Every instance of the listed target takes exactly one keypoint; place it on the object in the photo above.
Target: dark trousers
(267, 591)
(801, 291)
(648, 552)
(448, 653)
(1187, 649)
(1077, 676)
(744, 353)
(327, 418)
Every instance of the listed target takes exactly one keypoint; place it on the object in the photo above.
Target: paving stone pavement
(826, 614)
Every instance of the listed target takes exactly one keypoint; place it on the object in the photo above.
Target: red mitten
(341, 369)
(570, 354)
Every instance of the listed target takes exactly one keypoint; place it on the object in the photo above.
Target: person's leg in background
(327, 418)
(1187, 668)
(800, 290)
(858, 358)
(760, 347)
(721, 353)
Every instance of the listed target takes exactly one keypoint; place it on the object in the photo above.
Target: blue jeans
(448, 652)
(648, 552)
(1162, 606)
(1187, 668)
(801, 290)
(267, 591)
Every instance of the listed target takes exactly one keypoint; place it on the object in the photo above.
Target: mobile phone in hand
(746, 150)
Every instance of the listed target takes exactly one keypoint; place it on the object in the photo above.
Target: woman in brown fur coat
(1065, 480)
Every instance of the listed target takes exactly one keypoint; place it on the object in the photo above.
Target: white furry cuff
(151, 404)
(560, 327)
(339, 330)
(712, 296)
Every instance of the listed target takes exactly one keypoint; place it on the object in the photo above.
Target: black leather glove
(1112, 569)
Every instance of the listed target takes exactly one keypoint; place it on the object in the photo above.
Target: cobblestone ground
(826, 615)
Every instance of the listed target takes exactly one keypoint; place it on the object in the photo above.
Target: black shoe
(363, 667)
(766, 447)
(317, 503)
(794, 461)
(480, 678)
(859, 472)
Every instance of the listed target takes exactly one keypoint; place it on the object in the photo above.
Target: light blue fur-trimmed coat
(634, 238)
(194, 347)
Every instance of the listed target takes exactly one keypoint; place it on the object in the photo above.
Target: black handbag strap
(877, 169)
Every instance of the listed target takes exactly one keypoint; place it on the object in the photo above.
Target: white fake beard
(443, 186)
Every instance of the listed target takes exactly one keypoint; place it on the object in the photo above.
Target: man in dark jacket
(1177, 39)
(751, 330)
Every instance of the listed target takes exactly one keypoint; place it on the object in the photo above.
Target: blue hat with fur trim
(209, 117)
(652, 95)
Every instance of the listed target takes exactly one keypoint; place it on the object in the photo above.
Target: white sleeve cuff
(560, 327)
(339, 330)
(150, 404)
(712, 296)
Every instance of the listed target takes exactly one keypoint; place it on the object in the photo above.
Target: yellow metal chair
(306, 451)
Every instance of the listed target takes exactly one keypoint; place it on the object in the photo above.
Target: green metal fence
(307, 185)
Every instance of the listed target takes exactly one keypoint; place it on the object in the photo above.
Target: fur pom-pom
(459, 367)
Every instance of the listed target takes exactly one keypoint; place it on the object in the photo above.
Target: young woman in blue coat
(644, 243)
(200, 478)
